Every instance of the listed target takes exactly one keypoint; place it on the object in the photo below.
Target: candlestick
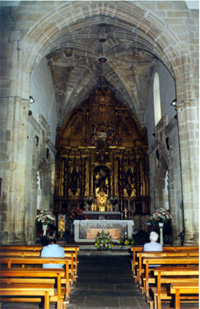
(125, 210)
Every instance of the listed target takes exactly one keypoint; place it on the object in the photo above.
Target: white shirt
(53, 251)
(152, 246)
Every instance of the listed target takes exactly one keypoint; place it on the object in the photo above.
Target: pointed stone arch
(46, 33)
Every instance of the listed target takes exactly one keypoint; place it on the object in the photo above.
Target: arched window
(156, 98)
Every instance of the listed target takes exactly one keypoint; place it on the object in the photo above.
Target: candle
(125, 213)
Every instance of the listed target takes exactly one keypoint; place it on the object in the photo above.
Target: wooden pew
(183, 288)
(70, 255)
(143, 254)
(170, 261)
(67, 249)
(21, 289)
(165, 276)
(36, 248)
(134, 261)
(39, 275)
(136, 249)
(36, 261)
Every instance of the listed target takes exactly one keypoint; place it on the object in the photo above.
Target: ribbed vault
(114, 40)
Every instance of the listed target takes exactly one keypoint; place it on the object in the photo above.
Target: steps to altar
(90, 249)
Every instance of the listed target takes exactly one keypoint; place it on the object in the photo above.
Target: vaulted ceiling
(96, 50)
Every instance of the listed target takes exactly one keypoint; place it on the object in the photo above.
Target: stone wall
(32, 29)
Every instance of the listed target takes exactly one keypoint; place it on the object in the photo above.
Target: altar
(87, 230)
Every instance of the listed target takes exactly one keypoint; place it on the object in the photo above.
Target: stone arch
(41, 38)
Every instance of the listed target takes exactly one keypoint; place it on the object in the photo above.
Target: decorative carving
(102, 151)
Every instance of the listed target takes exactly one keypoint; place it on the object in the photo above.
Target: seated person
(153, 245)
(51, 250)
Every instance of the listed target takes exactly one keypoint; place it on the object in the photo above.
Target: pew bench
(149, 254)
(165, 276)
(28, 290)
(11, 262)
(136, 249)
(39, 275)
(26, 253)
(169, 261)
(182, 290)
(134, 261)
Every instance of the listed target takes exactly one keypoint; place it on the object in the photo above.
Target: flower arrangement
(103, 241)
(77, 214)
(45, 217)
(160, 215)
(125, 240)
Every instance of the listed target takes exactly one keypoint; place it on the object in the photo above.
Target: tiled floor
(106, 282)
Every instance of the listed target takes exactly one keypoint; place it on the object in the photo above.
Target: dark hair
(53, 240)
(44, 240)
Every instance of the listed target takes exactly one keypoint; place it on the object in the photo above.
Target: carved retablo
(102, 161)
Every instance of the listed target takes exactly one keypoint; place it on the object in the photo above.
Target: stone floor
(104, 282)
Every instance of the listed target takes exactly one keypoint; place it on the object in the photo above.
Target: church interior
(99, 154)
(99, 112)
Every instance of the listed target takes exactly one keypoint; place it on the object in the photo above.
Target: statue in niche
(74, 181)
(129, 181)
(101, 182)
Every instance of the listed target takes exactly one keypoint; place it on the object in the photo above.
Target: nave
(106, 281)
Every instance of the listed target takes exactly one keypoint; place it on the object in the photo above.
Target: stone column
(188, 135)
(14, 177)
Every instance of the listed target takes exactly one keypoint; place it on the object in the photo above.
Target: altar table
(86, 230)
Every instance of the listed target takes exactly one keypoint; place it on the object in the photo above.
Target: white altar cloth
(81, 226)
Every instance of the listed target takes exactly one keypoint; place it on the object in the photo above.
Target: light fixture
(31, 100)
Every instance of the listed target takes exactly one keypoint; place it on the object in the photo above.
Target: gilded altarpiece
(102, 162)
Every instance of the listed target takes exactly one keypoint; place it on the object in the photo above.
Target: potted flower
(125, 240)
(103, 241)
(77, 214)
(161, 215)
(45, 218)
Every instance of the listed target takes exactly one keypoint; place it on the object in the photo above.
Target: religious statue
(74, 179)
(101, 181)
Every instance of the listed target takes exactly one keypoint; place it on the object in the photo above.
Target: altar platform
(85, 231)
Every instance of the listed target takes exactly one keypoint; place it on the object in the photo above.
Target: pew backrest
(151, 254)
(166, 261)
(136, 249)
(167, 275)
(11, 261)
